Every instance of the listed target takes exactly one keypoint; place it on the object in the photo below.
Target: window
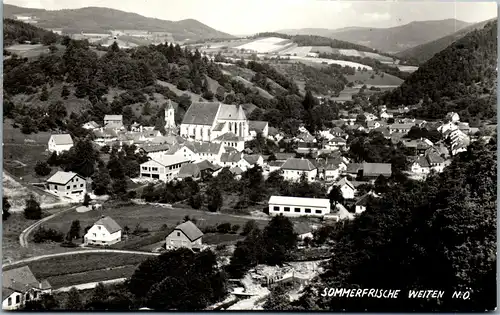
(9, 301)
(297, 209)
(287, 209)
(74, 186)
(318, 211)
(81, 185)
(68, 187)
(276, 208)
(178, 233)
(144, 168)
(155, 169)
(55, 187)
(99, 227)
(308, 210)
(103, 242)
(18, 297)
(94, 234)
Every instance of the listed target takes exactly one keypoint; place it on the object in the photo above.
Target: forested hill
(424, 52)
(16, 32)
(313, 40)
(102, 20)
(460, 78)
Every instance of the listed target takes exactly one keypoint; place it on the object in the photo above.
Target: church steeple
(169, 117)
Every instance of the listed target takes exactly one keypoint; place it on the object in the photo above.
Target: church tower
(169, 117)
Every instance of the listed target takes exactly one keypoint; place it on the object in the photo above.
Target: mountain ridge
(100, 19)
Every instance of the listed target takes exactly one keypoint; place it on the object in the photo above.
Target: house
(418, 146)
(307, 147)
(374, 170)
(370, 117)
(231, 140)
(304, 230)
(60, 143)
(336, 143)
(353, 169)
(186, 235)
(332, 171)
(275, 165)
(104, 232)
(189, 170)
(104, 136)
(384, 131)
(254, 159)
(293, 169)
(436, 162)
(258, 127)
(237, 172)
(340, 213)
(452, 117)
(305, 137)
(67, 184)
(113, 121)
(205, 121)
(164, 168)
(346, 187)
(20, 285)
(386, 115)
(372, 124)
(156, 151)
(199, 151)
(91, 125)
(362, 203)
(235, 159)
(282, 156)
(338, 132)
(401, 128)
(298, 206)
(421, 165)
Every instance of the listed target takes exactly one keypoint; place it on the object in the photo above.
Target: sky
(245, 17)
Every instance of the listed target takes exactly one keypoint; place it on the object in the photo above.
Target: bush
(105, 149)
(235, 228)
(140, 230)
(32, 211)
(209, 229)
(224, 227)
(196, 201)
(42, 168)
(42, 235)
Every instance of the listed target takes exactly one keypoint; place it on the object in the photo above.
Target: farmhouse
(297, 206)
(293, 169)
(104, 232)
(205, 121)
(186, 235)
(67, 184)
(19, 285)
(164, 168)
(113, 121)
(420, 166)
(60, 143)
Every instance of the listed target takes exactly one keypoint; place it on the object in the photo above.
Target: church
(205, 121)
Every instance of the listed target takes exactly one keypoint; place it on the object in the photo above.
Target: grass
(12, 228)
(83, 268)
(219, 238)
(365, 78)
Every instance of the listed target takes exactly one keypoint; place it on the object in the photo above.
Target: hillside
(102, 20)
(461, 78)
(424, 52)
(16, 32)
(393, 39)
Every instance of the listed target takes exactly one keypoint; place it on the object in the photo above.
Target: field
(300, 51)
(407, 68)
(266, 45)
(365, 78)
(343, 63)
(350, 52)
(83, 268)
(173, 88)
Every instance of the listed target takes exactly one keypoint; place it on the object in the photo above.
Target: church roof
(231, 112)
(202, 113)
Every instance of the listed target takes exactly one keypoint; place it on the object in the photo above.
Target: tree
(381, 185)
(99, 298)
(5, 208)
(101, 181)
(32, 210)
(73, 301)
(214, 199)
(247, 254)
(53, 159)
(335, 195)
(278, 300)
(65, 92)
(47, 302)
(74, 231)
(224, 228)
(86, 200)
(45, 94)
(279, 240)
(42, 168)
(249, 226)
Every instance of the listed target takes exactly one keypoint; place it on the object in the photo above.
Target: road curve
(78, 252)
(23, 238)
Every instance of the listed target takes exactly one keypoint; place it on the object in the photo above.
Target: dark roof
(190, 230)
(343, 182)
(310, 145)
(236, 170)
(206, 165)
(276, 163)
(189, 170)
(257, 125)
(434, 158)
(203, 147)
(353, 168)
(219, 126)
(376, 169)
(283, 156)
(272, 131)
(251, 159)
(19, 279)
(422, 161)
(231, 157)
(228, 136)
(156, 148)
(363, 200)
(298, 164)
(110, 224)
(201, 113)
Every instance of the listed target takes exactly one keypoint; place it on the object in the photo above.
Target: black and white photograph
(249, 155)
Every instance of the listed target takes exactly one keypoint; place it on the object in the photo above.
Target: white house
(332, 171)
(297, 206)
(255, 127)
(421, 165)
(20, 285)
(91, 125)
(104, 232)
(198, 151)
(164, 168)
(67, 184)
(336, 143)
(293, 169)
(186, 235)
(363, 201)
(60, 143)
(231, 140)
(339, 213)
(113, 121)
(347, 188)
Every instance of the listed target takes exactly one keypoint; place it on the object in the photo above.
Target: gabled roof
(273, 131)
(276, 163)
(206, 165)
(375, 169)
(229, 149)
(62, 177)
(337, 139)
(252, 159)
(189, 170)
(109, 224)
(92, 124)
(402, 126)
(281, 156)
(343, 182)
(113, 117)
(342, 212)
(190, 230)
(155, 148)
(256, 125)
(300, 201)
(62, 139)
(354, 167)
(229, 136)
(434, 158)
(305, 136)
(337, 130)
(231, 157)
(363, 200)
(231, 112)
(201, 113)
(422, 161)
(236, 170)
(19, 279)
(203, 147)
(298, 164)
(168, 159)
(105, 133)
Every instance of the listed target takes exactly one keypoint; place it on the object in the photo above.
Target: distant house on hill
(104, 232)
(67, 184)
(20, 285)
(186, 235)
(60, 143)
